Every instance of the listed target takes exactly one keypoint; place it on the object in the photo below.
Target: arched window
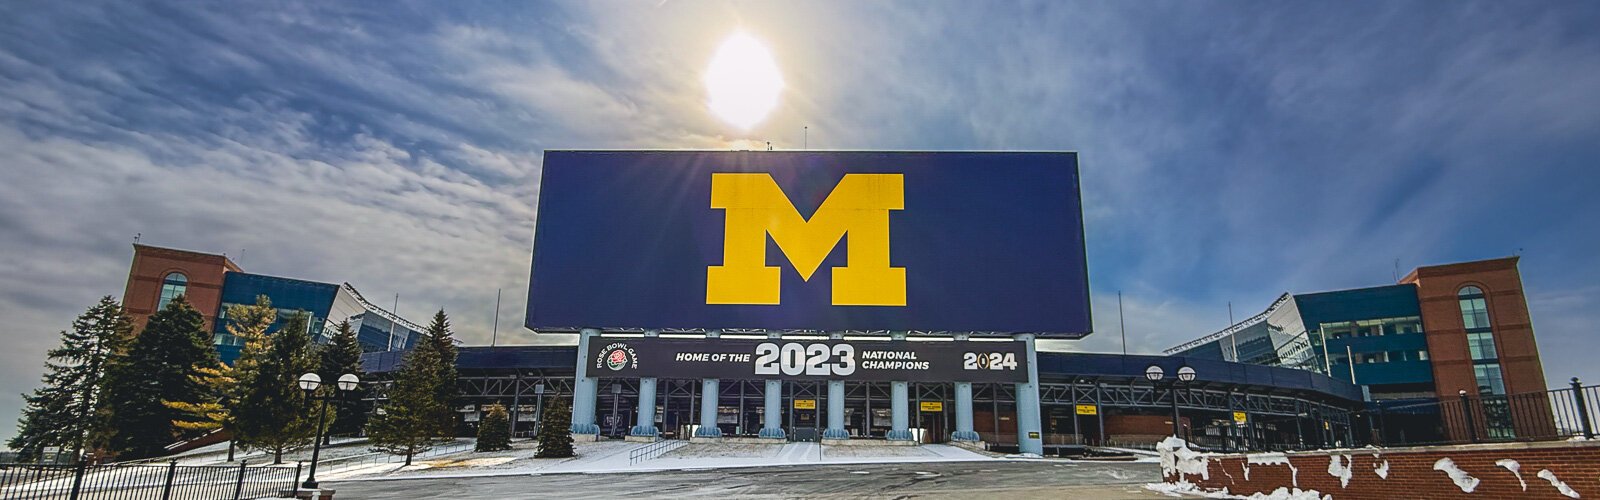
(172, 286)
(1474, 311)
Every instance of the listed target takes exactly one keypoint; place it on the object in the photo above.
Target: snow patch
(1177, 458)
(1515, 468)
(1465, 482)
(1560, 485)
(1271, 459)
(1182, 489)
(1382, 469)
(1339, 466)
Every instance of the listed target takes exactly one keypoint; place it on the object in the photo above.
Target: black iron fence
(167, 481)
(1536, 416)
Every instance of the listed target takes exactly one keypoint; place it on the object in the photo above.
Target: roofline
(386, 314)
(227, 263)
(1460, 267)
(1232, 329)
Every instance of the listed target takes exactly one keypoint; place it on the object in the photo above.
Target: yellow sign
(805, 404)
(1240, 417)
(931, 406)
(755, 207)
(1088, 410)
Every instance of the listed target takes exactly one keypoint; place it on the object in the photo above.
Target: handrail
(654, 450)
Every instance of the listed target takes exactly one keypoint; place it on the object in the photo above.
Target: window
(1474, 311)
(1489, 380)
(172, 287)
(1481, 344)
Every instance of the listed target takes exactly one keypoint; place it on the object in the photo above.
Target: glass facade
(1372, 336)
(326, 304)
(172, 286)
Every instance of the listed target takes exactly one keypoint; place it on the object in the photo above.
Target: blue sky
(1230, 151)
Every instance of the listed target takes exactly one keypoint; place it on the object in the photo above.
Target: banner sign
(1087, 410)
(786, 359)
(805, 404)
(931, 406)
(980, 242)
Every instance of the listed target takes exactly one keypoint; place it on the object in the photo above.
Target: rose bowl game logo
(616, 357)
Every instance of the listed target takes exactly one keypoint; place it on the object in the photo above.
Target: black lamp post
(1185, 374)
(538, 412)
(616, 396)
(309, 383)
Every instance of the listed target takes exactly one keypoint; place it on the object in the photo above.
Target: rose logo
(617, 359)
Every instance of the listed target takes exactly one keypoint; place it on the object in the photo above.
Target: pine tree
(439, 339)
(412, 418)
(210, 415)
(494, 432)
(341, 356)
(162, 364)
(555, 434)
(270, 411)
(65, 412)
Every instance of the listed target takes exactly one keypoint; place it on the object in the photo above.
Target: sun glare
(742, 82)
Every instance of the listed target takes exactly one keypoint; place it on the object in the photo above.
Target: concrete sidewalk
(608, 457)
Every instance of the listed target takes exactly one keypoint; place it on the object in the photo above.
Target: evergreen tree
(270, 411)
(494, 432)
(65, 412)
(414, 416)
(555, 433)
(210, 415)
(440, 341)
(162, 364)
(341, 356)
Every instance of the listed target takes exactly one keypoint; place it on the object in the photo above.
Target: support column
(710, 398)
(836, 404)
(1029, 431)
(899, 406)
(584, 389)
(772, 424)
(646, 427)
(964, 430)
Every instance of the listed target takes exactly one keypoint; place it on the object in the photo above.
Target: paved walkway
(1012, 480)
(614, 457)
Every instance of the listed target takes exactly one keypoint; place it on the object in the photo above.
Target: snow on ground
(614, 457)
(216, 454)
(707, 450)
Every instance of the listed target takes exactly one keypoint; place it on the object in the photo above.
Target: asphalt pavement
(1011, 480)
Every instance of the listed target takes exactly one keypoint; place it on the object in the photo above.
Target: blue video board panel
(806, 240)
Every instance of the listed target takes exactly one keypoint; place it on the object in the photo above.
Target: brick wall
(1411, 472)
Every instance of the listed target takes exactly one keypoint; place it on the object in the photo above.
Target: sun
(742, 82)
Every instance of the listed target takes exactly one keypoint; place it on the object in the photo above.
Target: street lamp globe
(348, 382)
(310, 382)
(1154, 373)
(1186, 374)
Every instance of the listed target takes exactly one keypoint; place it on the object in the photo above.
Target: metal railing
(1535, 416)
(654, 450)
(145, 481)
(375, 458)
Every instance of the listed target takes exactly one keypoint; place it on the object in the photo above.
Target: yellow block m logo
(755, 206)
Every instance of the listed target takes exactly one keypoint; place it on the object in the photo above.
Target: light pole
(1185, 374)
(538, 415)
(309, 383)
(616, 395)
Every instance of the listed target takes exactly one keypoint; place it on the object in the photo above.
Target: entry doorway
(932, 425)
